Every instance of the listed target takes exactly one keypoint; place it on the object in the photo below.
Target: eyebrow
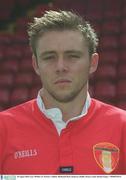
(73, 51)
(47, 53)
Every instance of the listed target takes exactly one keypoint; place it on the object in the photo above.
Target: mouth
(62, 81)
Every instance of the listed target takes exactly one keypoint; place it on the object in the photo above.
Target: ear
(35, 64)
(94, 62)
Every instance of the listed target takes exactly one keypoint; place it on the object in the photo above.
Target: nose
(61, 65)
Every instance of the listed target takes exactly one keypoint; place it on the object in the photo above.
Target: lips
(62, 81)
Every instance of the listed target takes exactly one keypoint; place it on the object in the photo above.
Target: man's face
(63, 64)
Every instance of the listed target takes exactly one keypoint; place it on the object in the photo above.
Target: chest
(78, 150)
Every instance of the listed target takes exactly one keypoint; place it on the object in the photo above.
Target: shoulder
(18, 111)
(109, 111)
(107, 107)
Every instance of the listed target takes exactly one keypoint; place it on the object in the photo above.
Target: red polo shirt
(94, 144)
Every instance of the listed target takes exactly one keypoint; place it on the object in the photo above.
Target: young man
(64, 130)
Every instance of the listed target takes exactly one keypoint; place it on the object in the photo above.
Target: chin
(64, 98)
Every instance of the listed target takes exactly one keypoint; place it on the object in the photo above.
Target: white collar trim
(55, 114)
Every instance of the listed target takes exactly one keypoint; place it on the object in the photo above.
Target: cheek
(42, 69)
(81, 76)
(45, 76)
(82, 69)
(45, 68)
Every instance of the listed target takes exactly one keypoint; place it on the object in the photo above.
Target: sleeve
(0, 153)
(2, 143)
(124, 148)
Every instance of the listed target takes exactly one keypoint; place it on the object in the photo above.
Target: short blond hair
(59, 21)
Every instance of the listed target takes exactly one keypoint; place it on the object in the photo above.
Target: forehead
(61, 41)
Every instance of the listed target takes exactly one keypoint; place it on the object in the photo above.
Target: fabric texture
(94, 144)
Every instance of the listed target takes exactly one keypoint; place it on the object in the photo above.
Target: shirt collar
(55, 113)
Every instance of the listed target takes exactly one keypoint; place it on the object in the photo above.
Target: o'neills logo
(25, 153)
(106, 156)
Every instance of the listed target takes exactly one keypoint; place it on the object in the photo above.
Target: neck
(69, 109)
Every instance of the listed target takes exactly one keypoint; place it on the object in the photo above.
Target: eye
(74, 56)
(51, 57)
